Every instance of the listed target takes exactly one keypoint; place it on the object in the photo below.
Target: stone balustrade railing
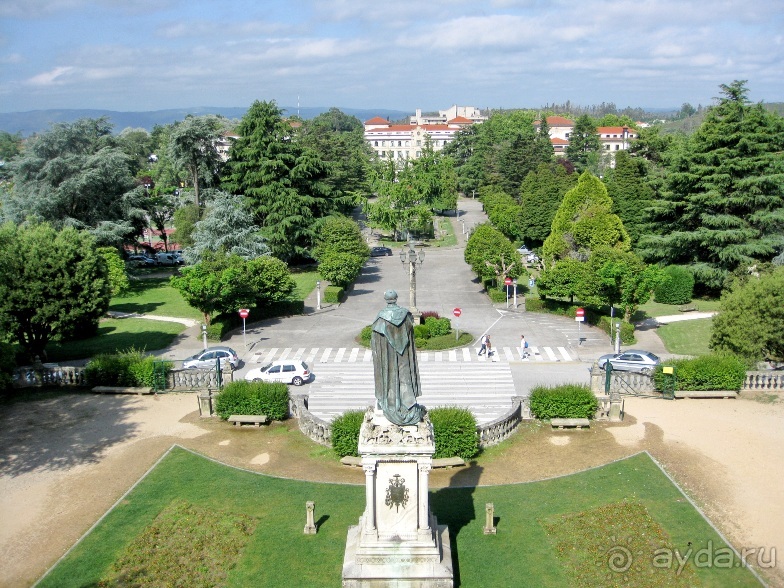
(187, 380)
(768, 380)
(45, 375)
(496, 431)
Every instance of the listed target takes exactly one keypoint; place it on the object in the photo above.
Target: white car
(287, 371)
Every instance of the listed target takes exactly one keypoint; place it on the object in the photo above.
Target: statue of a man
(395, 363)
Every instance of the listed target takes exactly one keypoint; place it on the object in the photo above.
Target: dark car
(633, 360)
(207, 359)
(380, 251)
(142, 260)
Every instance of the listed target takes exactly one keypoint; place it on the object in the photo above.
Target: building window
(419, 154)
(617, 147)
(376, 144)
(606, 147)
(419, 144)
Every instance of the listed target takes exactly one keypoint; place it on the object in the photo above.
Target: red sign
(244, 312)
(457, 312)
(508, 281)
(579, 312)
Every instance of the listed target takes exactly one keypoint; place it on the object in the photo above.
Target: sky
(140, 55)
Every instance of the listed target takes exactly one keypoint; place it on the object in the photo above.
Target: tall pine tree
(723, 207)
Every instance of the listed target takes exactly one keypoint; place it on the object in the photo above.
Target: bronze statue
(395, 364)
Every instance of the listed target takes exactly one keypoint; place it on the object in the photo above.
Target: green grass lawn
(447, 237)
(154, 296)
(561, 532)
(653, 309)
(118, 335)
(687, 337)
(306, 283)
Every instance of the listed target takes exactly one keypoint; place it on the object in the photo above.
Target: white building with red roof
(612, 138)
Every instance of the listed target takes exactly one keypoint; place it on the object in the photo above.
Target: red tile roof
(558, 141)
(556, 121)
(614, 130)
(377, 121)
(460, 120)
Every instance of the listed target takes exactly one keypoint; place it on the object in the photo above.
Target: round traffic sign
(508, 281)
(457, 312)
(579, 312)
(244, 312)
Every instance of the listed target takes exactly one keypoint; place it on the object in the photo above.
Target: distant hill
(36, 121)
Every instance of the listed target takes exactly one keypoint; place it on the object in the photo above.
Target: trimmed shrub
(333, 294)
(496, 295)
(454, 431)
(130, 368)
(438, 326)
(708, 372)
(422, 331)
(253, 398)
(345, 433)
(677, 288)
(568, 401)
(365, 334)
(534, 304)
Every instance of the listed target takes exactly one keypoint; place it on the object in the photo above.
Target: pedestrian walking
(485, 340)
(523, 347)
(489, 347)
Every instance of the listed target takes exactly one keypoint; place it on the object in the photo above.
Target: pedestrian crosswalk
(318, 355)
(484, 388)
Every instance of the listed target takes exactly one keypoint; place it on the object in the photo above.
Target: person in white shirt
(523, 347)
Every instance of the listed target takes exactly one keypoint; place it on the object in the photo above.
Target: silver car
(633, 360)
(207, 359)
(287, 371)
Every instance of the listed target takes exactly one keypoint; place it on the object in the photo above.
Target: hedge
(333, 294)
(454, 432)
(253, 398)
(438, 326)
(678, 288)
(568, 401)
(592, 316)
(708, 372)
(129, 368)
(345, 433)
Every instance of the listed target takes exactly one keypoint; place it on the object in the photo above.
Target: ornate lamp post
(413, 258)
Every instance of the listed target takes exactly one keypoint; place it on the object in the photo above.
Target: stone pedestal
(398, 542)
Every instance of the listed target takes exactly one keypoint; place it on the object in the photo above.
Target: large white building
(612, 138)
(402, 142)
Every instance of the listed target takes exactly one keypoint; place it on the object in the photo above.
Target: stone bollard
(490, 528)
(310, 526)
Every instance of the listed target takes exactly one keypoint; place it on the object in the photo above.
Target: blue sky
(156, 54)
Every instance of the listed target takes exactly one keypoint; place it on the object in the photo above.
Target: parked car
(287, 371)
(380, 251)
(633, 360)
(142, 260)
(169, 259)
(207, 359)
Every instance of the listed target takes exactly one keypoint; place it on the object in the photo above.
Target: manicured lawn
(653, 309)
(154, 296)
(687, 337)
(560, 532)
(118, 335)
(306, 283)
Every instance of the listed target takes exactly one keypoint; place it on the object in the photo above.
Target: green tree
(115, 270)
(54, 286)
(584, 149)
(185, 219)
(433, 179)
(138, 145)
(340, 269)
(192, 148)
(751, 319)
(75, 175)
(584, 222)
(723, 203)
(227, 227)
(565, 279)
(491, 255)
(339, 234)
(223, 283)
(627, 185)
(286, 183)
(541, 194)
(397, 205)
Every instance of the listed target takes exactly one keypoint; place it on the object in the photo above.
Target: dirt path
(66, 459)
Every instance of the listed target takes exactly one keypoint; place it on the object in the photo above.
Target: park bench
(441, 462)
(248, 419)
(569, 423)
(122, 390)
(688, 308)
(706, 394)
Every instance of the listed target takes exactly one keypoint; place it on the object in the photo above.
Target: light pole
(413, 258)
(318, 295)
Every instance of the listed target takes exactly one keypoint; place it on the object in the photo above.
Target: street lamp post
(318, 295)
(413, 258)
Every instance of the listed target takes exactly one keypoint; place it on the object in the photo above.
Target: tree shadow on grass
(454, 507)
(55, 431)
